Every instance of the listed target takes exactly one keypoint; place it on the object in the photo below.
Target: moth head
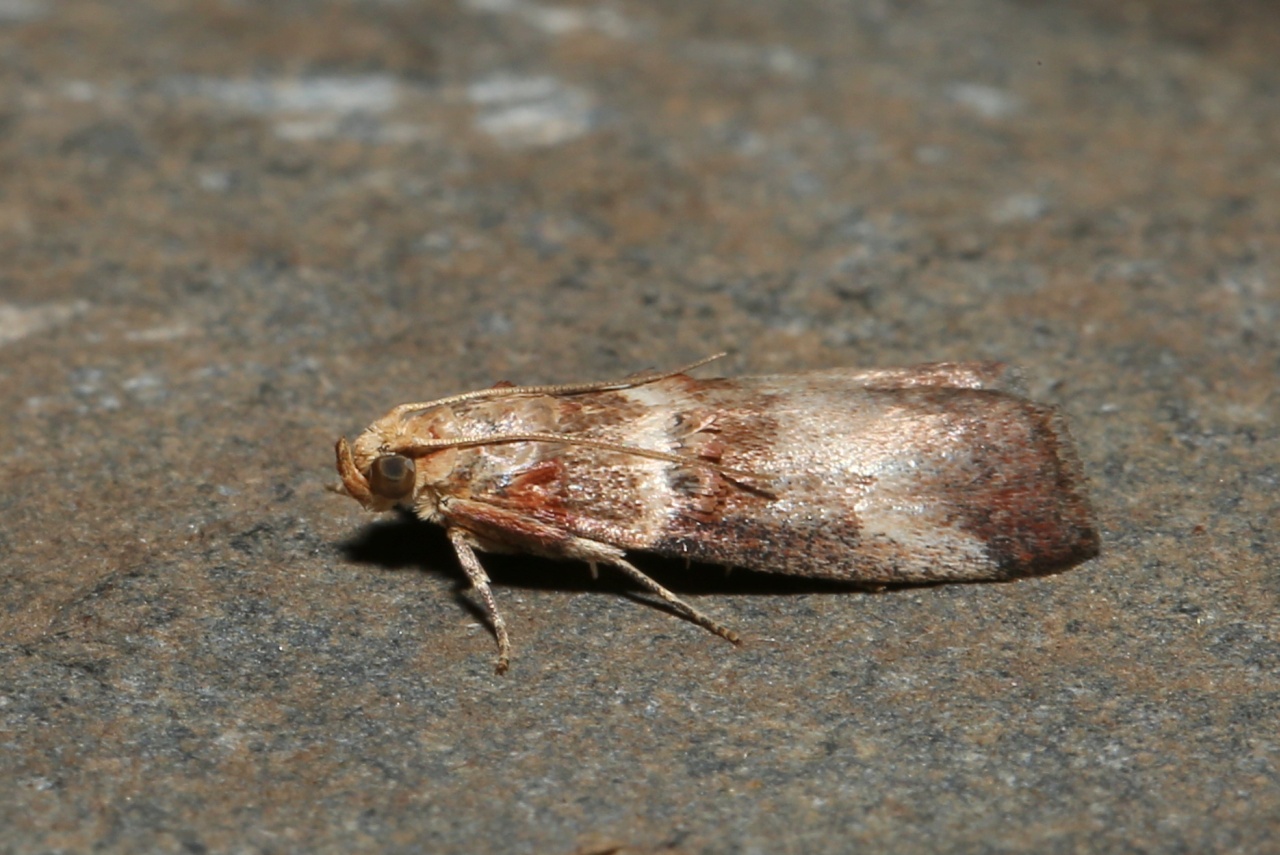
(377, 483)
(381, 470)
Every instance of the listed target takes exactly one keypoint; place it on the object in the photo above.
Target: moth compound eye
(392, 476)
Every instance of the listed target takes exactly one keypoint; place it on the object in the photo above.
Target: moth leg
(480, 583)
(680, 606)
(478, 524)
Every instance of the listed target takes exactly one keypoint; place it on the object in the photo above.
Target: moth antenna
(559, 388)
(740, 477)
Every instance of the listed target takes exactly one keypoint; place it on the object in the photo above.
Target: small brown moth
(931, 473)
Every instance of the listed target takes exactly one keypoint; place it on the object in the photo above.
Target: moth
(931, 473)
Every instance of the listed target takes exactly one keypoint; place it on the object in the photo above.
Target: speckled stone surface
(230, 232)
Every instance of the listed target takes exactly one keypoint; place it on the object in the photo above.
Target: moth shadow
(407, 543)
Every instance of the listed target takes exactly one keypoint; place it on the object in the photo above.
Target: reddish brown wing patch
(536, 488)
(1030, 508)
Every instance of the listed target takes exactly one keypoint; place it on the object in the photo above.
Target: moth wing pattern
(900, 475)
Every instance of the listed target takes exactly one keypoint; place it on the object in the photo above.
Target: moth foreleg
(479, 579)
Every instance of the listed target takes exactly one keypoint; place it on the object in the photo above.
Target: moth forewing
(930, 473)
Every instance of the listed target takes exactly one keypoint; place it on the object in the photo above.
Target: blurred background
(231, 231)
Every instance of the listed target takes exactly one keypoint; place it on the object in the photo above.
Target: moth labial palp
(931, 473)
